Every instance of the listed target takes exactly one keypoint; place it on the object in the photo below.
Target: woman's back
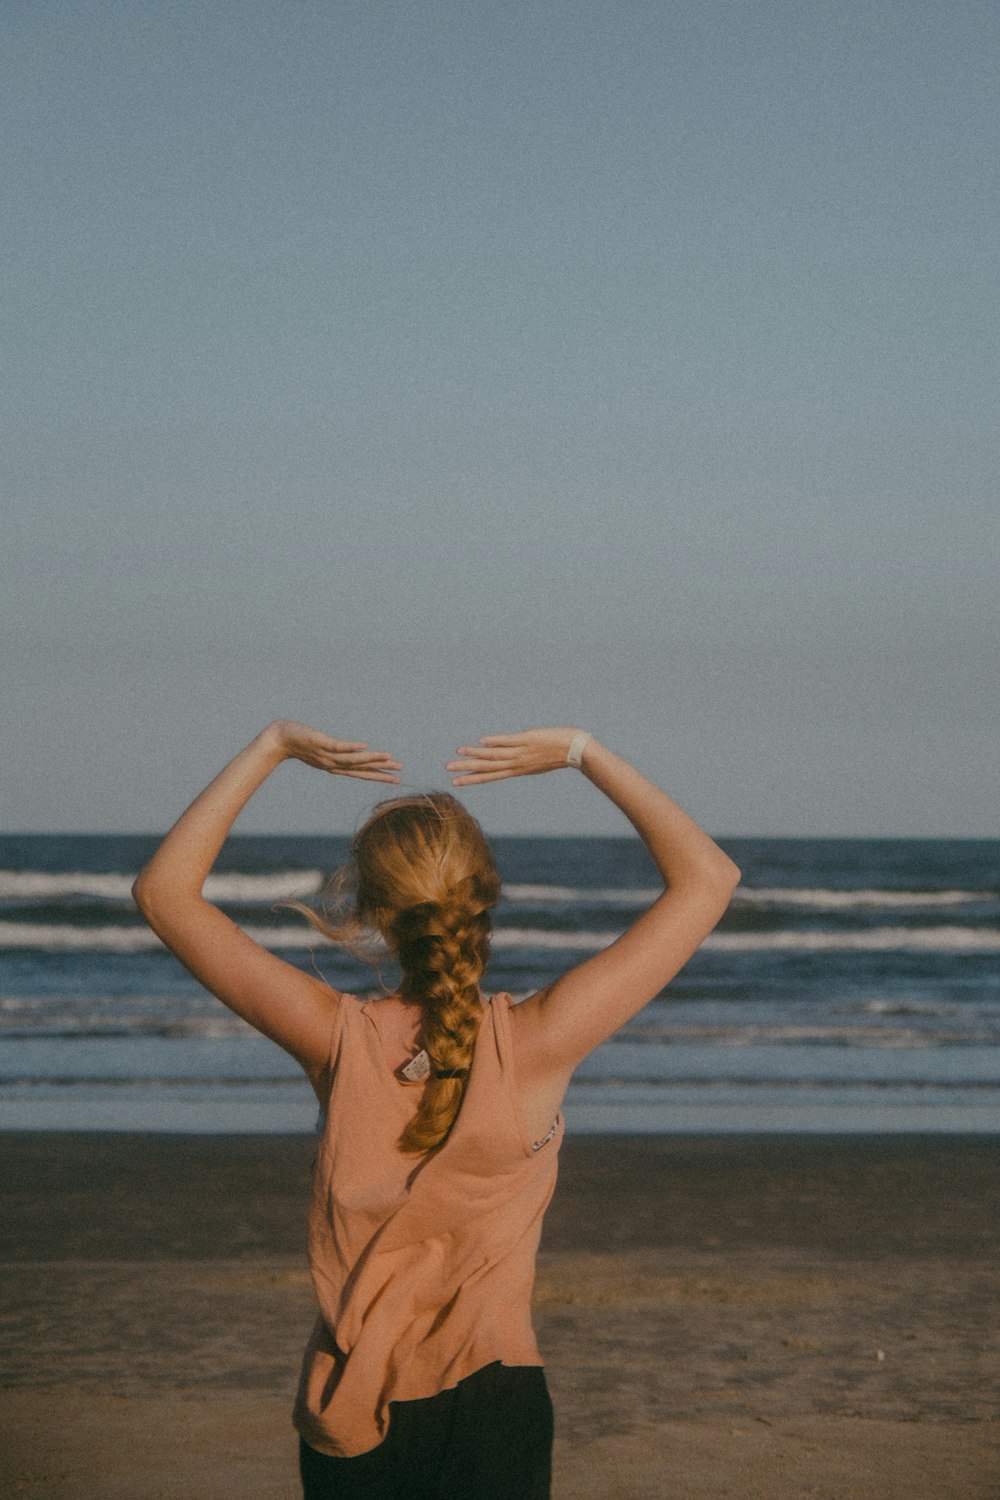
(423, 1269)
(539, 1097)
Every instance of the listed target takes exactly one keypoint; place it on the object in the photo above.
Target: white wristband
(574, 755)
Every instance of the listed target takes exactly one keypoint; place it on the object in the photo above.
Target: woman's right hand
(296, 741)
(498, 756)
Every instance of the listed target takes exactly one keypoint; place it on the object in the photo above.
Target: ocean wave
(579, 1088)
(49, 1026)
(28, 885)
(540, 937)
(905, 1008)
(945, 939)
(131, 939)
(582, 895)
(848, 1085)
(292, 885)
(759, 1034)
(60, 1028)
(796, 897)
(942, 939)
(113, 938)
(821, 899)
(244, 888)
(113, 1081)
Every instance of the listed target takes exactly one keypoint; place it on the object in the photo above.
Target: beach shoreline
(751, 1316)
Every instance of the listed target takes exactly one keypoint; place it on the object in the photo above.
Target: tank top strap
(500, 1005)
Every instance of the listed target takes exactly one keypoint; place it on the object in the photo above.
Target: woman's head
(422, 876)
(417, 852)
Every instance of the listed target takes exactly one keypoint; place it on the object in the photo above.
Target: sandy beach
(757, 1317)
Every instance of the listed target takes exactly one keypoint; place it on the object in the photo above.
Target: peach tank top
(423, 1266)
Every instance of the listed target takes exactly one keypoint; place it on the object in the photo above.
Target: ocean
(854, 985)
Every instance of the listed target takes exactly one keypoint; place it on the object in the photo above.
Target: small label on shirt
(418, 1068)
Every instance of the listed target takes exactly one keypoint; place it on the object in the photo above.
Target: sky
(433, 370)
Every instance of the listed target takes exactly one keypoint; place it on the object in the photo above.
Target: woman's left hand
(339, 757)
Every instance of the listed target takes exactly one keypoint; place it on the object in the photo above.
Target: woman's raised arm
(293, 1009)
(567, 1020)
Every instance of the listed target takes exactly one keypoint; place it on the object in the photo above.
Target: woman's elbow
(721, 875)
(713, 881)
(160, 896)
(721, 881)
(140, 890)
(147, 892)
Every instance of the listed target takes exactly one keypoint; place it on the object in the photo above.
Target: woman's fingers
(476, 764)
(469, 769)
(368, 764)
(494, 771)
(477, 776)
(386, 770)
(494, 758)
(372, 765)
(486, 752)
(338, 757)
(362, 753)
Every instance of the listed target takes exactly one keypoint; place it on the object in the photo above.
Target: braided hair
(424, 880)
(443, 947)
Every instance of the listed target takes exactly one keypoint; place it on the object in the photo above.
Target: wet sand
(757, 1317)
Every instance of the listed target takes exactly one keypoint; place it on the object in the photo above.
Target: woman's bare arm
(567, 1020)
(292, 1008)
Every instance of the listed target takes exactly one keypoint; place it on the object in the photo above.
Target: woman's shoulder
(356, 1010)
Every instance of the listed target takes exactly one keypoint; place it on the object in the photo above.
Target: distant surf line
(252, 889)
(120, 938)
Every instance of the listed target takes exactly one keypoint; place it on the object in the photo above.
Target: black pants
(488, 1438)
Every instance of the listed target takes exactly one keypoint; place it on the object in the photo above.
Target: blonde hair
(422, 877)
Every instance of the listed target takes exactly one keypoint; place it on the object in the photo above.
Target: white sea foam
(906, 1008)
(541, 937)
(948, 939)
(41, 885)
(943, 939)
(45, 1024)
(292, 885)
(854, 900)
(766, 897)
(301, 884)
(112, 938)
(583, 895)
(121, 939)
(135, 939)
(50, 936)
(762, 1035)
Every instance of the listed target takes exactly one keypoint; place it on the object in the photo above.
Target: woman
(442, 1108)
